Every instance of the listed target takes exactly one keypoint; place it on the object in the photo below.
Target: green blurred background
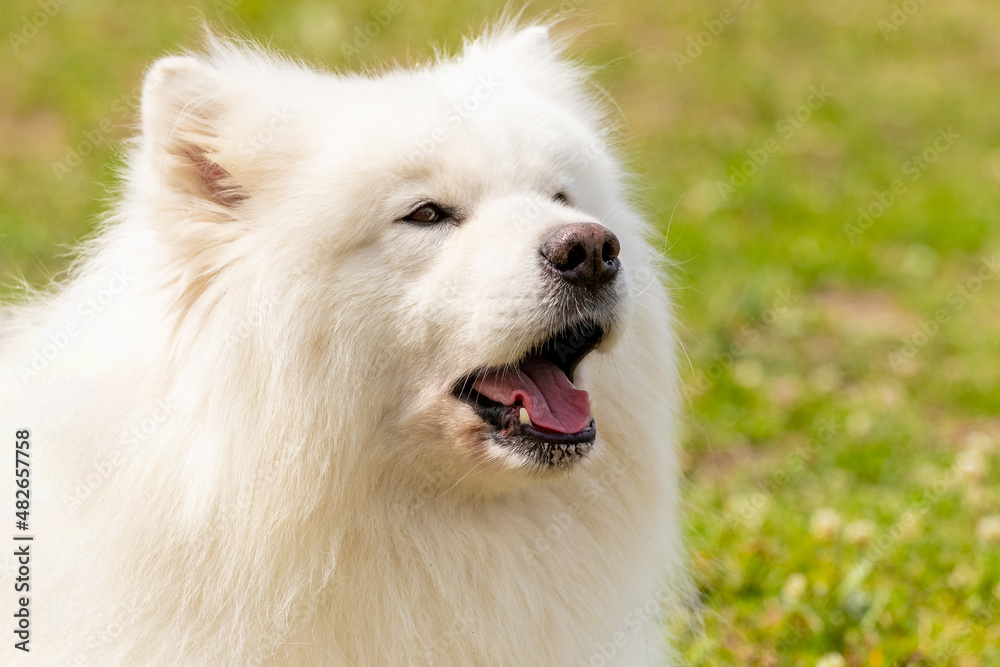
(826, 175)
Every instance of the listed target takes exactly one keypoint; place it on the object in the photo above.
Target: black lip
(566, 349)
(586, 435)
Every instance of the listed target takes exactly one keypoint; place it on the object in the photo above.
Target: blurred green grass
(841, 450)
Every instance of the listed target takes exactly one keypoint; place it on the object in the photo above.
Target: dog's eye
(427, 214)
(560, 197)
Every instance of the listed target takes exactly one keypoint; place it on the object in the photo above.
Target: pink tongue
(545, 392)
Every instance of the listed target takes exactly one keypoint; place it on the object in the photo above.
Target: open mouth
(533, 405)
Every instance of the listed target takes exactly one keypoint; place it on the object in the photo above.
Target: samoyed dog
(362, 369)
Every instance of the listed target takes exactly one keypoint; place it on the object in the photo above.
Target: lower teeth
(523, 417)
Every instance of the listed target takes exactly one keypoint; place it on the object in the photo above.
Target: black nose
(584, 253)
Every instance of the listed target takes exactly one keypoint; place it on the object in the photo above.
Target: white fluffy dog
(361, 370)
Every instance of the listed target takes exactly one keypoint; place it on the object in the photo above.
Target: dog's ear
(534, 37)
(533, 43)
(528, 57)
(185, 104)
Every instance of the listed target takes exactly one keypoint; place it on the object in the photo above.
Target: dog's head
(443, 250)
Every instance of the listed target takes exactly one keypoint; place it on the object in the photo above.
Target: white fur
(245, 449)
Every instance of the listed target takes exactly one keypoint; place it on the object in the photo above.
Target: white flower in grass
(964, 576)
(825, 524)
(972, 465)
(831, 660)
(794, 587)
(988, 529)
(980, 441)
(859, 531)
